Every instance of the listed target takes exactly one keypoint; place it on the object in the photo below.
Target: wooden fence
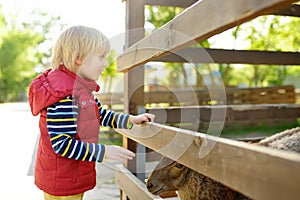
(231, 96)
(245, 106)
(231, 116)
(258, 172)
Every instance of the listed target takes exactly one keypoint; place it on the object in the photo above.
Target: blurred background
(29, 28)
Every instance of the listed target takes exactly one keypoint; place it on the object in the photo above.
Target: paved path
(19, 132)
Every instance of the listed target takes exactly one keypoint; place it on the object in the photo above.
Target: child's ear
(78, 61)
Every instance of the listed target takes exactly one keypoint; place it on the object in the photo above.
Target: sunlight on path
(19, 130)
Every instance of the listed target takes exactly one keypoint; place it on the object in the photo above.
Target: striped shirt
(62, 128)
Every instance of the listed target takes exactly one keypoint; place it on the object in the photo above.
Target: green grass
(249, 131)
(109, 139)
(256, 130)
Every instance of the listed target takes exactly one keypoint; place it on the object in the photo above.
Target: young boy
(70, 116)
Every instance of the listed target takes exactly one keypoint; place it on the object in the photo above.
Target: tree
(110, 71)
(20, 53)
(14, 65)
(158, 16)
(271, 33)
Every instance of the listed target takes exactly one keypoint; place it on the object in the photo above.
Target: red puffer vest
(54, 174)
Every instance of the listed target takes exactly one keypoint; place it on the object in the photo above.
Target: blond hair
(78, 42)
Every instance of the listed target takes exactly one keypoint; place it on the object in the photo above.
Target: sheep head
(168, 175)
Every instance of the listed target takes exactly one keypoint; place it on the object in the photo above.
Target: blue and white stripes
(62, 117)
(112, 119)
(62, 128)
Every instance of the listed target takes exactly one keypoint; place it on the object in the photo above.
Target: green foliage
(272, 33)
(158, 16)
(110, 71)
(20, 53)
(14, 63)
(265, 75)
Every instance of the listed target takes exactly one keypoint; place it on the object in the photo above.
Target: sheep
(288, 140)
(170, 175)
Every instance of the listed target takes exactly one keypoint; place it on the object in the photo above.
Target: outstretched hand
(114, 152)
(139, 119)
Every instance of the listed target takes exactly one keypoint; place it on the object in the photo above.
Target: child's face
(92, 67)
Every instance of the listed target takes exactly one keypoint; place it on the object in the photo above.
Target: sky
(108, 16)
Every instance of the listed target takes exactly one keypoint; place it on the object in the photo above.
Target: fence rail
(233, 116)
(135, 189)
(259, 172)
(233, 96)
(256, 171)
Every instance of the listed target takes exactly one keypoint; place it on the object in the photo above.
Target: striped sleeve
(62, 128)
(112, 119)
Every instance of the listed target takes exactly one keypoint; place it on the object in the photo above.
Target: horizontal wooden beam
(178, 33)
(292, 11)
(205, 55)
(256, 171)
(134, 188)
(234, 113)
(261, 95)
(173, 3)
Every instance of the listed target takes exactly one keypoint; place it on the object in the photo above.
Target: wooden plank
(134, 21)
(292, 11)
(131, 185)
(259, 172)
(173, 3)
(134, 79)
(178, 32)
(262, 95)
(204, 55)
(232, 114)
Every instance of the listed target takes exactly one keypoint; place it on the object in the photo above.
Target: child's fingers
(127, 157)
(127, 153)
(150, 117)
(118, 153)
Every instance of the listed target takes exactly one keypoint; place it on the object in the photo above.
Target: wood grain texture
(179, 33)
(258, 172)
